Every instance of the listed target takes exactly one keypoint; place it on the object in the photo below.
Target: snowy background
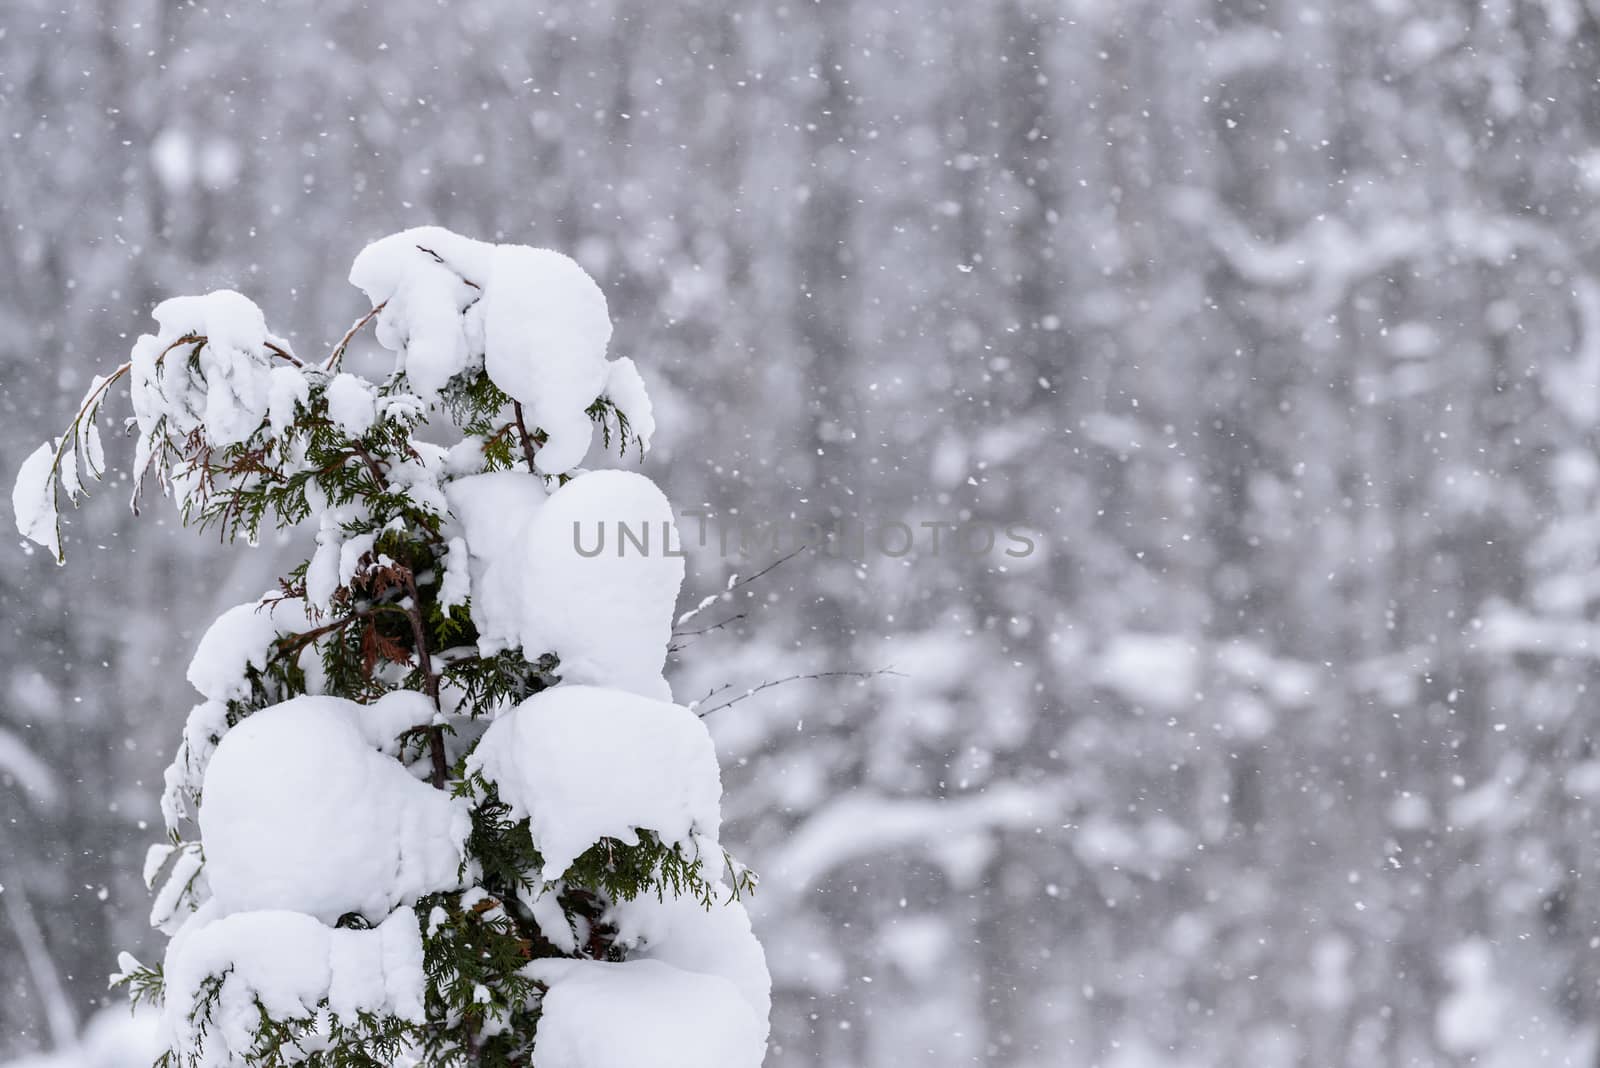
(1279, 323)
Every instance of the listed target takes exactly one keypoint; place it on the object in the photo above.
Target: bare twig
(734, 584)
(779, 562)
(344, 342)
(676, 646)
(703, 712)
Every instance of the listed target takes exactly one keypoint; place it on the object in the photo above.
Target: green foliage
(321, 1039)
(474, 958)
(145, 984)
(611, 869)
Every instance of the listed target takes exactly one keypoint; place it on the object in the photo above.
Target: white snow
(494, 511)
(301, 811)
(672, 1018)
(625, 390)
(228, 393)
(608, 616)
(423, 300)
(534, 316)
(241, 638)
(352, 404)
(546, 328)
(114, 1038)
(184, 889)
(33, 500)
(287, 387)
(707, 941)
(583, 763)
(207, 723)
(456, 586)
(288, 964)
(322, 572)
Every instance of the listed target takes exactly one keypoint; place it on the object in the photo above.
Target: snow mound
(707, 941)
(494, 511)
(242, 638)
(545, 328)
(583, 763)
(288, 963)
(422, 277)
(535, 318)
(33, 500)
(625, 390)
(352, 404)
(225, 388)
(608, 613)
(301, 811)
(674, 1018)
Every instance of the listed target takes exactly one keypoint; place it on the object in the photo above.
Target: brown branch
(284, 354)
(289, 645)
(430, 681)
(344, 342)
(522, 431)
(372, 465)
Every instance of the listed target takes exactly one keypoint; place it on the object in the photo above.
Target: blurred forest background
(1279, 322)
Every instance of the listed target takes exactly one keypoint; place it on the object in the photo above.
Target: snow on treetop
(420, 278)
(536, 319)
(285, 963)
(583, 763)
(301, 811)
(670, 1018)
(210, 403)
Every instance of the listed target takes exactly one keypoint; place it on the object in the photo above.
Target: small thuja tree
(436, 805)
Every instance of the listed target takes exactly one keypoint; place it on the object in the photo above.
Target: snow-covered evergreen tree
(436, 805)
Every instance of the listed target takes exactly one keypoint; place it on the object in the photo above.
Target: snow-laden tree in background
(436, 805)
